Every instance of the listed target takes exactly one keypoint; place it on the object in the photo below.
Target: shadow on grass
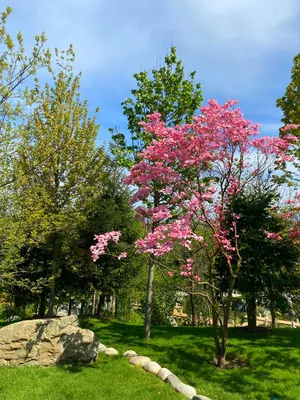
(189, 351)
(78, 368)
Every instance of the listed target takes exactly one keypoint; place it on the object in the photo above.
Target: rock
(62, 313)
(173, 380)
(46, 342)
(101, 348)
(163, 374)
(110, 351)
(200, 397)
(130, 353)
(152, 367)
(139, 360)
(187, 390)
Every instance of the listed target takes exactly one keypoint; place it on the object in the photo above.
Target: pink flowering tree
(196, 170)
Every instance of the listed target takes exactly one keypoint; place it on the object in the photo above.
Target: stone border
(154, 368)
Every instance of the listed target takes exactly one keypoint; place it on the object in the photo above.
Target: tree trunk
(193, 310)
(222, 345)
(148, 312)
(273, 316)
(94, 303)
(147, 326)
(101, 304)
(251, 312)
(54, 270)
(50, 312)
(82, 308)
(116, 307)
(42, 306)
(71, 301)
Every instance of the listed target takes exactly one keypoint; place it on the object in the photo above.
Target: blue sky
(241, 49)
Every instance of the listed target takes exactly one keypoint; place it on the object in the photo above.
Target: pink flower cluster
(100, 247)
(187, 271)
(163, 238)
(197, 169)
(273, 235)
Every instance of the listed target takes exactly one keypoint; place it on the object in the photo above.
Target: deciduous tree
(176, 98)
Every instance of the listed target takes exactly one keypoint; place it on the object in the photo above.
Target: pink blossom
(100, 247)
(122, 255)
(273, 235)
(195, 171)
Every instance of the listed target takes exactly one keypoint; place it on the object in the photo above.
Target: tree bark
(273, 316)
(251, 312)
(147, 326)
(71, 301)
(94, 303)
(54, 270)
(100, 308)
(219, 342)
(116, 306)
(193, 310)
(42, 306)
(82, 308)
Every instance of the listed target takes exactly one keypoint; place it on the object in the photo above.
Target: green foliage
(18, 68)
(290, 105)
(270, 266)
(111, 211)
(163, 301)
(167, 92)
(290, 102)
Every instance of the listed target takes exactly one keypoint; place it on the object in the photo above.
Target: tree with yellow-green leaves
(18, 69)
(57, 142)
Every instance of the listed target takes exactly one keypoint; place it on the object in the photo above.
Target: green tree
(111, 211)
(58, 141)
(290, 104)
(18, 69)
(176, 98)
(270, 266)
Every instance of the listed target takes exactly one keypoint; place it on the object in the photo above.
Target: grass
(108, 379)
(273, 358)
(272, 367)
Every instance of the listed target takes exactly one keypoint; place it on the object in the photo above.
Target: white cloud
(227, 42)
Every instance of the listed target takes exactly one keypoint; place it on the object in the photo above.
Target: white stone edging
(154, 368)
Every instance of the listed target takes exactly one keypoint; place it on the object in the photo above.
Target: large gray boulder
(46, 342)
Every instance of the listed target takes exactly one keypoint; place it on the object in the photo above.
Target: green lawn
(273, 367)
(273, 357)
(108, 379)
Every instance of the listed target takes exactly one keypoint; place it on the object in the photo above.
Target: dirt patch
(233, 361)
